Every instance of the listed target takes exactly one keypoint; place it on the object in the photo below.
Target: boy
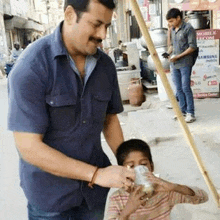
(134, 203)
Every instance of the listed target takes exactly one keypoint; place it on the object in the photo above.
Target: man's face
(87, 34)
(174, 22)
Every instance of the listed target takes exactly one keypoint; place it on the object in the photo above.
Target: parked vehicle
(7, 68)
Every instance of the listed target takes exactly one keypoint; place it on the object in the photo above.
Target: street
(151, 122)
(12, 200)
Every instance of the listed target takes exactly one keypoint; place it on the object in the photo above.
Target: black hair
(130, 146)
(174, 13)
(81, 6)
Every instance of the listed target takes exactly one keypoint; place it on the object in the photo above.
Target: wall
(3, 43)
(19, 8)
(165, 8)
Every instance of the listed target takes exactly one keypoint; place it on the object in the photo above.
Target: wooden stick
(172, 98)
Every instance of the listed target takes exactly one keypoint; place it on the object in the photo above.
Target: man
(60, 100)
(183, 37)
(16, 52)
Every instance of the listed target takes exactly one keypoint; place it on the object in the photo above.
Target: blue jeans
(76, 213)
(181, 79)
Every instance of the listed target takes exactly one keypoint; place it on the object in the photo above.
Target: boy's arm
(178, 193)
(185, 190)
(200, 196)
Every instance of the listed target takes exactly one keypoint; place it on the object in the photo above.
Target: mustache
(98, 40)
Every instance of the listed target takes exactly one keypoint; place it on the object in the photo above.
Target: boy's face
(137, 158)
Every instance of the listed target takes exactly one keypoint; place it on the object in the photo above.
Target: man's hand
(137, 197)
(174, 58)
(115, 177)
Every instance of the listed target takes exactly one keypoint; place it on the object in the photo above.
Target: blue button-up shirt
(182, 39)
(47, 96)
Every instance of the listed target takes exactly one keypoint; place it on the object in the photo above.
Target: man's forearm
(37, 153)
(186, 52)
(170, 50)
(113, 132)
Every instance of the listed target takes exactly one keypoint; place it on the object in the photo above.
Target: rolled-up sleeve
(115, 105)
(192, 38)
(27, 106)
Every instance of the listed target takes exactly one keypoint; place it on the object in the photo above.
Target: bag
(136, 93)
(195, 54)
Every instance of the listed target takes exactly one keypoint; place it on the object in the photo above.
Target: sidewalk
(172, 155)
(12, 199)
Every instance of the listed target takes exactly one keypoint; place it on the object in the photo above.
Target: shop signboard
(190, 5)
(204, 80)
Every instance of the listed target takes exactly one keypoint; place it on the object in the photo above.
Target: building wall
(19, 8)
(25, 21)
(165, 8)
(3, 43)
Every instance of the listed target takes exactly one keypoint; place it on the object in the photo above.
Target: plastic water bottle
(141, 179)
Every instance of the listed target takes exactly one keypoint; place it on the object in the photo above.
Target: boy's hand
(159, 184)
(137, 197)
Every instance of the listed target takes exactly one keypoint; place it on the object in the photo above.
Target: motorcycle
(7, 68)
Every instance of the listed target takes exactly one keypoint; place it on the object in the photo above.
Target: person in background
(120, 44)
(63, 92)
(16, 52)
(133, 203)
(183, 44)
(118, 51)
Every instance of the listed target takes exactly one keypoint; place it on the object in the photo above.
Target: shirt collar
(181, 26)
(57, 44)
(58, 47)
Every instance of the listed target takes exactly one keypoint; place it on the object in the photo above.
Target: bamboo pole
(172, 98)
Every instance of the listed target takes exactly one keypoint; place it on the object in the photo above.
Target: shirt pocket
(100, 105)
(62, 111)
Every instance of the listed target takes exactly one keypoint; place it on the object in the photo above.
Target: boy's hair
(130, 146)
(174, 13)
(81, 6)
